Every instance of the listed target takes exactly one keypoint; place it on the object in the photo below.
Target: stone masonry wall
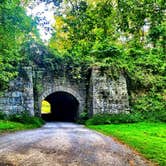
(25, 93)
(19, 96)
(46, 83)
(109, 95)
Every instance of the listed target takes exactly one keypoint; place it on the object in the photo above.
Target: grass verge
(145, 137)
(8, 126)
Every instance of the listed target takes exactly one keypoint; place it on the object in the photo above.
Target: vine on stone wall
(40, 57)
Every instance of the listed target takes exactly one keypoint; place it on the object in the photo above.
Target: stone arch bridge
(68, 98)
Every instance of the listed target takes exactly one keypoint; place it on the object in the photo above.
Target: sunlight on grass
(46, 107)
(147, 138)
(8, 126)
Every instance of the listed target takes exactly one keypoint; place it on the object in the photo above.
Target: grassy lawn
(147, 138)
(7, 126)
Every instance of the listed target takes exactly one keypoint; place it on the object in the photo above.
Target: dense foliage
(15, 28)
(38, 55)
(126, 36)
(100, 119)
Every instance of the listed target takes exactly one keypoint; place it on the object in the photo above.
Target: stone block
(16, 94)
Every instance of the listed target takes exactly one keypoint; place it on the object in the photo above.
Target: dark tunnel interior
(64, 107)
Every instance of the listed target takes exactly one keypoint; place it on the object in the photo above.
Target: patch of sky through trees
(43, 12)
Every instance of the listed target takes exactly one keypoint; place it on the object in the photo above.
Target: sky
(45, 14)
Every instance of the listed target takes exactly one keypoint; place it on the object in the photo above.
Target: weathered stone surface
(46, 84)
(19, 96)
(108, 95)
(102, 95)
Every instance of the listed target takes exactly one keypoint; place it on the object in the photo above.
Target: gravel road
(64, 144)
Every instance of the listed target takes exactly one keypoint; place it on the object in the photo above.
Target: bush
(161, 116)
(151, 106)
(26, 119)
(82, 118)
(100, 119)
(2, 115)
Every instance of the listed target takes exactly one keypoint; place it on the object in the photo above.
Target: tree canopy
(126, 36)
(15, 29)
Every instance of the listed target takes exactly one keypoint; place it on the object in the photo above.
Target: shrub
(161, 116)
(2, 115)
(26, 119)
(99, 119)
(151, 106)
(82, 118)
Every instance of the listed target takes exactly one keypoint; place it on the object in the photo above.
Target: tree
(126, 36)
(15, 28)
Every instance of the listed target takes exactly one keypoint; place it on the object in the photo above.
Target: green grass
(8, 126)
(145, 137)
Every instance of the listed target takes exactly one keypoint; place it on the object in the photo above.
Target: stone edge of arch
(47, 92)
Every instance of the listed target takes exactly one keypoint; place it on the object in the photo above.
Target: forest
(124, 36)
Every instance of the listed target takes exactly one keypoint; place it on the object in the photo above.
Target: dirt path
(64, 144)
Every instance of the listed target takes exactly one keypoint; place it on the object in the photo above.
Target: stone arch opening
(64, 107)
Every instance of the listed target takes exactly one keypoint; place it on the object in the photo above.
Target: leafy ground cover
(146, 137)
(8, 126)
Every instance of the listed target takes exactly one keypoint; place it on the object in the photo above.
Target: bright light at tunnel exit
(46, 107)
